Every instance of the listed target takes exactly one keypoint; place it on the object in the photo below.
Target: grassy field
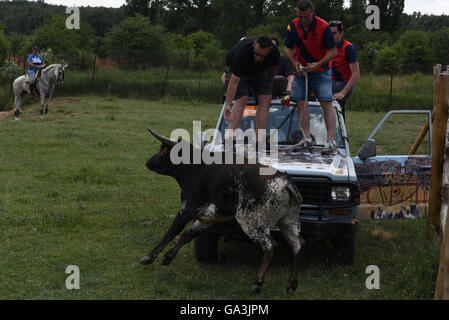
(74, 190)
(371, 92)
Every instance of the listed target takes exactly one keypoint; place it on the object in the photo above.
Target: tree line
(196, 34)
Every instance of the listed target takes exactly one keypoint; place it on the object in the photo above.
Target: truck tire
(346, 249)
(206, 247)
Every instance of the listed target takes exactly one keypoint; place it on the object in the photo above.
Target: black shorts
(254, 86)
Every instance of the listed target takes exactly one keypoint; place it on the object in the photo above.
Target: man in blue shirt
(35, 63)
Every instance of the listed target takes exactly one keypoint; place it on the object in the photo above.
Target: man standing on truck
(284, 68)
(311, 38)
(345, 68)
(254, 61)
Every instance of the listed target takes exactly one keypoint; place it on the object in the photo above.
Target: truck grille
(313, 191)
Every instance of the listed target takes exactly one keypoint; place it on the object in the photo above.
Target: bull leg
(185, 238)
(260, 276)
(178, 224)
(290, 230)
(261, 236)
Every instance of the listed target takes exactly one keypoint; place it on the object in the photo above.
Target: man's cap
(36, 48)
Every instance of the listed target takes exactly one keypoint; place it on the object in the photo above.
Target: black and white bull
(221, 192)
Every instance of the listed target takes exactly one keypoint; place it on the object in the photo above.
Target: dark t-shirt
(241, 59)
(285, 68)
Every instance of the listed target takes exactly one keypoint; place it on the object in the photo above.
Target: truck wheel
(346, 249)
(206, 247)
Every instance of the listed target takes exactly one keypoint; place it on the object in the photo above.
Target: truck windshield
(286, 121)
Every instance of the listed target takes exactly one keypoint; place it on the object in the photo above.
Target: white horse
(44, 86)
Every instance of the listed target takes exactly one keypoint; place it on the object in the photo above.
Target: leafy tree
(440, 45)
(390, 13)
(189, 15)
(367, 56)
(201, 40)
(426, 22)
(74, 45)
(414, 52)
(4, 48)
(329, 9)
(102, 19)
(354, 17)
(10, 70)
(136, 43)
(387, 62)
(141, 7)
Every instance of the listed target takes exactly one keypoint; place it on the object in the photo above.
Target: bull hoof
(147, 259)
(292, 285)
(256, 291)
(257, 287)
(167, 260)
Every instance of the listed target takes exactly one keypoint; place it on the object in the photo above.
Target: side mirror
(368, 149)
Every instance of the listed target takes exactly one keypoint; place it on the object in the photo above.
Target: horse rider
(35, 63)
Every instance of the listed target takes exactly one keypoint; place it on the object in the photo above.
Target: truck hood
(311, 163)
(336, 167)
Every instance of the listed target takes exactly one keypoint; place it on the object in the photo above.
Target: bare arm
(290, 54)
(230, 94)
(36, 66)
(272, 72)
(354, 78)
(223, 78)
(330, 54)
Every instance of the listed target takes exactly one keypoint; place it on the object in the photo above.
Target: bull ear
(166, 141)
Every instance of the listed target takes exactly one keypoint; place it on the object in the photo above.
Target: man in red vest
(310, 37)
(345, 68)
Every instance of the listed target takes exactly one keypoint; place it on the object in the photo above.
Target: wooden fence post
(442, 287)
(438, 144)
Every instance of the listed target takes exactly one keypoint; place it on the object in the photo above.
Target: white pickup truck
(332, 186)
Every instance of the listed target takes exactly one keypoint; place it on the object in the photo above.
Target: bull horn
(166, 141)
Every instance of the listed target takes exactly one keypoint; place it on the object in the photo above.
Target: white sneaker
(329, 148)
(305, 144)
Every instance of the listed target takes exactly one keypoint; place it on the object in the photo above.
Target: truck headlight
(339, 193)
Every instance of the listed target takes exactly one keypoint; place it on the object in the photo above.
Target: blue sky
(429, 6)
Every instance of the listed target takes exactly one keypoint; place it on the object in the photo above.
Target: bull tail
(293, 190)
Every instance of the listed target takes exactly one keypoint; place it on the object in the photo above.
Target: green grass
(409, 92)
(74, 190)
(371, 92)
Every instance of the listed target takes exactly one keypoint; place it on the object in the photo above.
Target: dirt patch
(6, 114)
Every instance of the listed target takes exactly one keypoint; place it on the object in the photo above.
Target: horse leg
(47, 102)
(17, 104)
(42, 105)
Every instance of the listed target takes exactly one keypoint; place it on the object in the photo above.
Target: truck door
(394, 184)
